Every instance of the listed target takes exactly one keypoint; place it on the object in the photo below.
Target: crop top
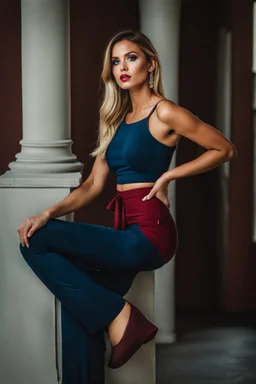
(135, 156)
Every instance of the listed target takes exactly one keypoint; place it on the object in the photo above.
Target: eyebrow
(126, 54)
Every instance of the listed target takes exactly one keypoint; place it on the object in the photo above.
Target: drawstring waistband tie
(117, 205)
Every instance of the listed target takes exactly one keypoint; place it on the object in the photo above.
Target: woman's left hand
(160, 190)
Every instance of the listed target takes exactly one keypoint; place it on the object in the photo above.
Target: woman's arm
(219, 148)
(184, 123)
(84, 194)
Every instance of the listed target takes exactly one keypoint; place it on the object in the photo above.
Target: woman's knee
(28, 254)
(37, 242)
(24, 250)
(41, 237)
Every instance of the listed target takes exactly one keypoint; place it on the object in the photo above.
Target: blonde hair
(116, 102)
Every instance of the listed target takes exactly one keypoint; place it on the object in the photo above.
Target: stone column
(44, 172)
(254, 115)
(160, 21)
(223, 122)
(45, 155)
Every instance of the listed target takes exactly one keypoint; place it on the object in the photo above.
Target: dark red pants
(152, 216)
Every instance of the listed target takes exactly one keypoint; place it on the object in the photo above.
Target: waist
(140, 177)
(133, 192)
(129, 186)
(129, 208)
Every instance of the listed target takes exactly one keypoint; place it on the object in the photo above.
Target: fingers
(31, 231)
(23, 231)
(157, 186)
(24, 234)
(161, 197)
(150, 195)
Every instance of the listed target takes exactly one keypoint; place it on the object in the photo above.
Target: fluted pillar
(160, 21)
(45, 156)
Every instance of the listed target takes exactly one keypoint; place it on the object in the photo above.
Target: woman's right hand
(30, 225)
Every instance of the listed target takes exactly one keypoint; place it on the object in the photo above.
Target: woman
(90, 267)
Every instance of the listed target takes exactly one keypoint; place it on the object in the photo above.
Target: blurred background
(215, 264)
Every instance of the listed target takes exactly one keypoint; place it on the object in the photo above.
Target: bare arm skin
(81, 196)
(184, 123)
(219, 148)
(84, 194)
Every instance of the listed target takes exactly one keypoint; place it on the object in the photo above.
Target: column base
(45, 157)
(165, 338)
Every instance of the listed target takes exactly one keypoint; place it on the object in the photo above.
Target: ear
(152, 65)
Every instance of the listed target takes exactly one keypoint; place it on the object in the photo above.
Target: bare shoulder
(185, 123)
(168, 112)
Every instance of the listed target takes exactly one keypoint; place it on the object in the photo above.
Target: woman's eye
(130, 58)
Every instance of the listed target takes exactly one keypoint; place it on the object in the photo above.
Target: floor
(210, 350)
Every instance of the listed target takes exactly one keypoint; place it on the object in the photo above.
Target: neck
(141, 98)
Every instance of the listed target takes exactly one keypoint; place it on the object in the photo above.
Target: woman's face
(130, 66)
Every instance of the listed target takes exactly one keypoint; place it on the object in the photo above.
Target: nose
(123, 66)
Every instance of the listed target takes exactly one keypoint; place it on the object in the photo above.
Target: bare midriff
(126, 187)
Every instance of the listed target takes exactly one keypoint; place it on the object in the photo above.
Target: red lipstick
(124, 78)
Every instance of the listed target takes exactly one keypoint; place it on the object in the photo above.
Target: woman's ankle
(117, 327)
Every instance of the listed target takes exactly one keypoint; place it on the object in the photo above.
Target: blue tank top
(135, 156)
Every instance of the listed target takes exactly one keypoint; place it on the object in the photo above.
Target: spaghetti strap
(152, 110)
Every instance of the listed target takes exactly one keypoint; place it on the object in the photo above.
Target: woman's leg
(91, 304)
(56, 247)
(83, 354)
(96, 246)
(83, 299)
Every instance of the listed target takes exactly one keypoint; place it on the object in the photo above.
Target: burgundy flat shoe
(139, 330)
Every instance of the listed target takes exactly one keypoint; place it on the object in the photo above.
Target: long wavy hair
(116, 102)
